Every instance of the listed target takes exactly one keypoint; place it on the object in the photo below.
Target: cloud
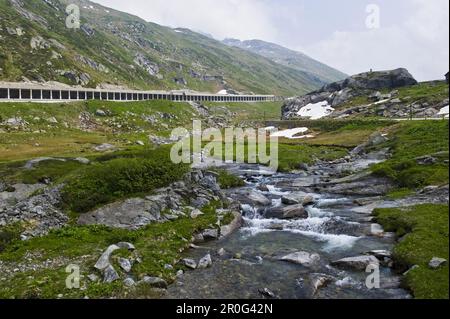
(243, 19)
(419, 43)
(413, 34)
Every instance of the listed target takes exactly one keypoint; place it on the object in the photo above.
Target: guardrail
(75, 94)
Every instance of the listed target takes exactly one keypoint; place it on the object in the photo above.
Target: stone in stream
(266, 292)
(288, 212)
(103, 262)
(436, 263)
(357, 263)
(205, 262)
(319, 281)
(129, 282)
(302, 258)
(294, 198)
(189, 263)
(210, 234)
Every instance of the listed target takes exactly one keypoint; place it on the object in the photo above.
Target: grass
(425, 231)
(157, 245)
(258, 111)
(410, 140)
(227, 180)
(102, 183)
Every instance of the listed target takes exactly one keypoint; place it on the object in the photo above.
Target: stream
(337, 226)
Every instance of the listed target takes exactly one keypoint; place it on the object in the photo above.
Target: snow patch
(444, 111)
(316, 111)
(291, 134)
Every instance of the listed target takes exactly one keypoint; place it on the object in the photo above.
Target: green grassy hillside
(117, 48)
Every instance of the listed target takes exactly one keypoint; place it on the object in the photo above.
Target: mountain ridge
(289, 58)
(117, 48)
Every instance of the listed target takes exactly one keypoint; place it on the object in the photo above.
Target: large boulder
(302, 258)
(287, 212)
(338, 93)
(356, 263)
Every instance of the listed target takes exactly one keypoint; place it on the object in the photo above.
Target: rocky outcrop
(165, 205)
(338, 93)
(39, 213)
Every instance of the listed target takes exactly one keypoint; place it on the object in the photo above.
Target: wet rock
(189, 263)
(308, 200)
(251, 197)
(262, 188)
(104, 260)
(436, 263)
(376, 230)
(198, 238)
(82, 160)
(357, 263)
(266, 292)
(155, 282)
(210, 234)
(221, 252)
(110, 275)
(319, 281)
(294, 198)
(302, 258)
(287, 212)
(205, 262)
(227, 230)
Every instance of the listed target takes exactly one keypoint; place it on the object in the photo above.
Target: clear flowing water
(336, 228)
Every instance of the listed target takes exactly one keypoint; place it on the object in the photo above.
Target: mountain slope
(116, 48)
(290, 58)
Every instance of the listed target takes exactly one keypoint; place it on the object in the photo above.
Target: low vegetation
(158, 245)
(102, 183)
(424, 232)
(410, 141)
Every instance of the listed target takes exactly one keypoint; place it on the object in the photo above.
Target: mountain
(116, 48)
(289, 58)
(389, 94)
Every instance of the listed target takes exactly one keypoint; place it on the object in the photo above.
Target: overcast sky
(412, 33)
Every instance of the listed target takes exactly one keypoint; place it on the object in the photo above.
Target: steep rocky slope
(290, 58)
(389, 94)
(116, 48)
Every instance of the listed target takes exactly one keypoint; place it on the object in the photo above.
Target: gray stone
(210, 234)
(189, 263)
(110, 275)
(436, 263)
(129, 282)
(266, 292)
(205, 262)
(103, 262)
(93, 277)
(319, 281)
(357, 263)
(125, 264)
(288, 212)
(104, 147)
(155, 282)
(302, 258)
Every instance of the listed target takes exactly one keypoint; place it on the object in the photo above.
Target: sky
(351, 35)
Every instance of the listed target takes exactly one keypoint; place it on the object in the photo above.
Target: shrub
(103, 183)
